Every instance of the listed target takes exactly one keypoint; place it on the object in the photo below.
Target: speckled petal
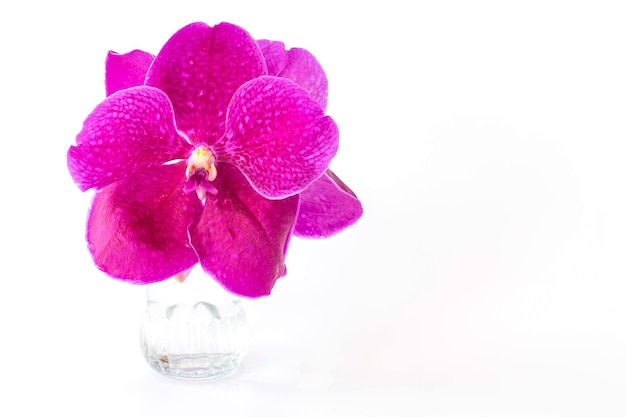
(278, 136)
(126, 70)
(130, 131)
(299, 65)
(327, 207)
(200, 68)
(242, 237)
(137, 227)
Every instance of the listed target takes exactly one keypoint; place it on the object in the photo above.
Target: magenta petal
(131, 130)
(298, 65)
(327, 207)
(200, 68)
(242, 237)
(276, 57)
(137, 227)
(126, 70)
(278, 136)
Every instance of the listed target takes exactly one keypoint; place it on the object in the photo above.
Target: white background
(486, 277)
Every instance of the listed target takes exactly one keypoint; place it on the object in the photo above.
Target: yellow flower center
(201, 158)
(201, 171)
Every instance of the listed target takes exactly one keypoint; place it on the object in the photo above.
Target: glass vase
(192, 328)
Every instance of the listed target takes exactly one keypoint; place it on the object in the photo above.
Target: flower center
(201, 171)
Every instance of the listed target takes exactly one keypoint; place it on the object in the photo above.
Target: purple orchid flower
(201, 162)
(328, 206)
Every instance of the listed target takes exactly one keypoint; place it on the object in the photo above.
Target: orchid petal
(298, 65)
(242, 237)
(278, 136)
(131, 130)
(137, 227)
(126, 70)
(327, 207)
(200, 68)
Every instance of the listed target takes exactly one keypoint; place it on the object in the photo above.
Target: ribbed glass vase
(193, 329)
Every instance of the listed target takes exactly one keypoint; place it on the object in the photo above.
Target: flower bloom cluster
(215, 151)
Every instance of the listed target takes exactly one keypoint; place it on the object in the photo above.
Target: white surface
(486, 141)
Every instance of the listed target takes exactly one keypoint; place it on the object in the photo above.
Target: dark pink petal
(299, 65)
(137, 227)
(200, 68)
(126, 70)
(130, 131)
(327, 207)
(242, 237)
(278, 136)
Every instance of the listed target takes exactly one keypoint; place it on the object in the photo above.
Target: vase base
(193, 330)
(195, 367)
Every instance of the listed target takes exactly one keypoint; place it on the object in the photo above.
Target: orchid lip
(201, 157)
(201, 172)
